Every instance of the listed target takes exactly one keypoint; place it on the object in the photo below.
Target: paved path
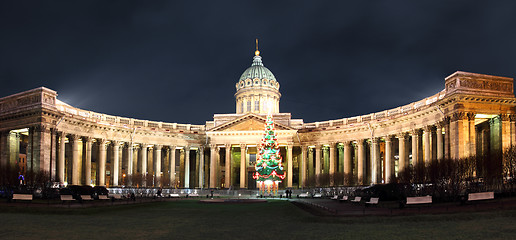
(338, 208)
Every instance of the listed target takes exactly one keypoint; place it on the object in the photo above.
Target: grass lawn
(279, 219)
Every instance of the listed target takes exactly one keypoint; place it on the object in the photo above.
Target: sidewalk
(328, 207)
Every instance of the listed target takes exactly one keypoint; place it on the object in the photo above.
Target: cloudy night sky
(179, 62)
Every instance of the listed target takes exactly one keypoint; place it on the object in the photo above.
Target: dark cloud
(178, 62)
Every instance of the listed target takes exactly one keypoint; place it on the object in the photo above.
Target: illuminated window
(249, 106)
(257, 105)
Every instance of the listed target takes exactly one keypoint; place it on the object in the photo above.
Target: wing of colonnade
(473, 115)
(84, 147)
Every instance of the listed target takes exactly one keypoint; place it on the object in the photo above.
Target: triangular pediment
(248, 122)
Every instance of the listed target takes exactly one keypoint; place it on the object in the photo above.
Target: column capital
(458, 116)
(41, 128)
(172, 147)
(428, 128)
(158, 147)
(186, 148)
(213, 146)
(470, 115)
(88, 140)
(243, 145)
(115, 142)
(375, 140)
(75, 137)
(505, 117)
(227, 146)
(201, 148)
(332, 144)
(388, 138)
(415, 132)
(402, 135)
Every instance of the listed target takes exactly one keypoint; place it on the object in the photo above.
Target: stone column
(87, 160)
(348, 171)
(332, 163)
(389, 163)
(136, 149)
(402, 152)
(311, 171)
(172, 165)
(4, 149)
(243, 165)
(227, 176)
(213, 166)
(427, 132)
(302, 180)
(472, 139)
(447, 151)
(201, 167)
(512, 118)
(317, 164)
(415, 146)
(157, 164)
(102, 162)
(61, 158)
(361, 161)
(76, 173)
(375, 160)
(53, 149)
(290, 169)
(116, 162)
(143, 159)
(129, 159)
(439, 136)
(187, 167)
(459, 135)
(41, 143)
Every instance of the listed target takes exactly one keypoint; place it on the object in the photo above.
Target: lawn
(275, 219)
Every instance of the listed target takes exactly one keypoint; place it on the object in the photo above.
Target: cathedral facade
(473, 115)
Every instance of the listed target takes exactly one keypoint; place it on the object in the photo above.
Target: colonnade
(375, 159)
(85, 160)
(126, 160)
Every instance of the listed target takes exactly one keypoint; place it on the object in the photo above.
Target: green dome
(257, 76)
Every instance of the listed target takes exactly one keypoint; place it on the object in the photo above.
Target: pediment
(249, 122)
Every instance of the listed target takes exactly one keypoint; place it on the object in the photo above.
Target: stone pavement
(328, 207)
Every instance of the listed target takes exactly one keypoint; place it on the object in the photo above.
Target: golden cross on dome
(257, 53)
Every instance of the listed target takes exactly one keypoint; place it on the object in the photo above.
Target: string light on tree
(269, 168)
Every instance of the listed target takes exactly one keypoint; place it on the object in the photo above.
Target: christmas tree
(269, 170)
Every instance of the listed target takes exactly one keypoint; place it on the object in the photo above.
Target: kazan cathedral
(474, 114)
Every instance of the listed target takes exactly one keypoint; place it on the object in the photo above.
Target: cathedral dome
(257, 76)
(257, 90)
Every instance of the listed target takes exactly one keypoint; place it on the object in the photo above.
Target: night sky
(179, 62)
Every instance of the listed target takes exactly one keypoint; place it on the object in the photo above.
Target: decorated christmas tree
(269, 169)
